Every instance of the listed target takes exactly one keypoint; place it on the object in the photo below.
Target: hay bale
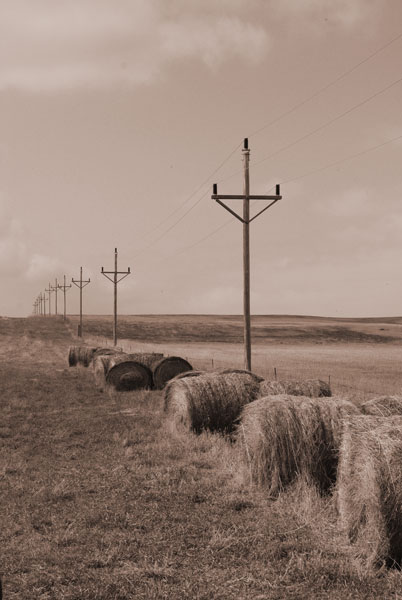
(370, 490)
(80, 355)
(383, 406)
(283, 437)
(125, 373)
(107, 351)
(311, 388)
(72, 356)
(167, 368)
(254, 375)
(210, 401)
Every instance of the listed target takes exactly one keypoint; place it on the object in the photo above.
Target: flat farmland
(100, 501)
(357, 355)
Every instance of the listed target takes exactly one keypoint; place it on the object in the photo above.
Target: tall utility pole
(64, 288)
(55, 287)
(246, 197)
(49, 289)
(115, 281)
(80, 283)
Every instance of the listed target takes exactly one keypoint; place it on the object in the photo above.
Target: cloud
(345, 13)
(17, 260)
(41, 267)
(50, 46)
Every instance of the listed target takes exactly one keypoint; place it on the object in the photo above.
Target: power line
(199, 188)
(323, 126)
(327, 86)
(280, 117)
(285, 181)
(282, 149)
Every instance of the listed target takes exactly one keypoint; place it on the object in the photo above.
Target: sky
(117, 116)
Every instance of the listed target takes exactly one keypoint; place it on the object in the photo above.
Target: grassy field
(357, 355)
(100, 502)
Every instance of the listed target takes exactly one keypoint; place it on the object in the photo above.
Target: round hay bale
(167, 368)
(209, 401)
(80, 355)
(245, 372)
(72, 356)
(284, 437)
(311, 388)
(107, 351)
(100, 366)
(124, 373)
(369, 490)
(383, 406)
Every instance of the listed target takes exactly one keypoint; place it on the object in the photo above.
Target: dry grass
(383, 406)
(284, 437)
(211, 401)
(311, 388)
(167, 368)
(100, 503)
(370, 490)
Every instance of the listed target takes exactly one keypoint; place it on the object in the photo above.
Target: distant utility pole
(55, 287)
(49, 290)
(44, 304)
(115, 281)
(64, 288)
(80, 283)
(246, 197)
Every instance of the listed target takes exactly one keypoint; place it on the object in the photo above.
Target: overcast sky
(116, 116)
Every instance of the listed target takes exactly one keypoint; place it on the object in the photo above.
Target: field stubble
(100, 502)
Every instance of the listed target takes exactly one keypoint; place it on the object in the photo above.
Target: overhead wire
(282, 149)
(325, 87)
(199, 188)
(291, 180)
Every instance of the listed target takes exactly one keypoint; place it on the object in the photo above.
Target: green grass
(99, 501)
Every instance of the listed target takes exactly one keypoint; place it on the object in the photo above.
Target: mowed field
(99, 500)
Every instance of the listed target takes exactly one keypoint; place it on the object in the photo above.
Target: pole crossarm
(124, 273)
(219, 197)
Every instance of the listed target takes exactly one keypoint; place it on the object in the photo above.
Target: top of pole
(245, 146)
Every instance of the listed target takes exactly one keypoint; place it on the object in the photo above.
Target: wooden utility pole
(246, 197)
(44, 304)
(64, 288)
(115, 281)
(49, 290)
(55, 287)
(80, 283)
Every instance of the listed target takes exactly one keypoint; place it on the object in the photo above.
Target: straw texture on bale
(167, 368)
(80, 355)
(107, 351)
(126, 373)
(244, 371)
(284, 437)
(369, 490)
(211, 401)
(384, 406)
(185, 375)
(312, 388)
(100, 366)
